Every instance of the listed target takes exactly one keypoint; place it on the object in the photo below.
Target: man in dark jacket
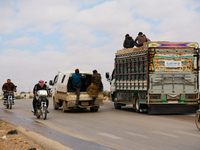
(76, 82)
(95, 86)
(140, 39)
(9, 86)
(39, 86)
(128, 42)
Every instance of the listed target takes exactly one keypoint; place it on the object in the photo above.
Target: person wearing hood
(95, 86)
(140, 39)
(128, 42)
(39, 86)
(9, 86)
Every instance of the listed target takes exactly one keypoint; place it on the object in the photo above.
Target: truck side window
(55, 79)
(63, 78)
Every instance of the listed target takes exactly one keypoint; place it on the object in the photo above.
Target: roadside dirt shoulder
(15, 141)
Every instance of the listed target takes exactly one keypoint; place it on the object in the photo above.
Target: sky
(38, 38)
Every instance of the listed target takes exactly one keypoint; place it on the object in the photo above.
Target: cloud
(50, 47)
(22, 41)
(64, 34)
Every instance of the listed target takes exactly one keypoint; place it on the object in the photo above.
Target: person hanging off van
(9, 86)
(140, 39)
(128, 42)
(95, 86)
(76, 82)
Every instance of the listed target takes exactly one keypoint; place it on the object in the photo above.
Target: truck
(63, 93)
(159, 77)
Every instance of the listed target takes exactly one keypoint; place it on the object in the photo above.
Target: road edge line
(41, 140)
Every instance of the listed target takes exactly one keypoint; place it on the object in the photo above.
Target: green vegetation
(18, 97)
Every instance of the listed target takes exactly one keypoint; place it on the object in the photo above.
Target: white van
(64, 94)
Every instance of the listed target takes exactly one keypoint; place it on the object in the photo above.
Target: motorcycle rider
(39, 86)
(9, 86)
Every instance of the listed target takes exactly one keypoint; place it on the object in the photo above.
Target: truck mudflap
(172, 109)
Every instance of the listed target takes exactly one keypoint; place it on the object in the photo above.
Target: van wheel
(55, 105)
(93, 109)
(63, 107)
(137, 105)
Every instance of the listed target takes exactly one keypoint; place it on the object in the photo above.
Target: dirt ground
(15, 141)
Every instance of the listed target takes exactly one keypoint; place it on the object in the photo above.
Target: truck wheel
(117, 106)
(113, 96)
(55, 105)
(137, 105)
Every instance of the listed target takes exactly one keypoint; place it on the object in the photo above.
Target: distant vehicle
(157, 77)
(197, 117)
(41, 104)
(64, 94)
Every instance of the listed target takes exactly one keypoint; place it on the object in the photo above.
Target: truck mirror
(107, 75)
(51, 82)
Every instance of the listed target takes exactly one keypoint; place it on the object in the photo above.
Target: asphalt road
(121, 129)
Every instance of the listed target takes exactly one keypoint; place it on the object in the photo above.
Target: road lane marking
(136, 134)
(186, 133)
(165, 134)
(109, 136)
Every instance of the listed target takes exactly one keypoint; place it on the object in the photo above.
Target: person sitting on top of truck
(148, 40)
(76, 82)
(95, 86)
(141, 39)
(128, 42)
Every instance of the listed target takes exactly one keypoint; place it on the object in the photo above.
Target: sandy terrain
(15, 141)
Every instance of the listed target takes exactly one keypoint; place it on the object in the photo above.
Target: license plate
(172, 63)
(85, 103)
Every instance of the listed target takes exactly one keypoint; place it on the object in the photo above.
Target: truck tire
(55, 105)
(137, 105)
(117, 106)
(113, 96)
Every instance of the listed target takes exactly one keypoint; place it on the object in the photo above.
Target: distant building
(26, 95)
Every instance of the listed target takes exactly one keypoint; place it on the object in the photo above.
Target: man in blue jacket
(76, 82)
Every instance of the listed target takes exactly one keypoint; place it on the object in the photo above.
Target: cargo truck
(64, 95)
(159, 77)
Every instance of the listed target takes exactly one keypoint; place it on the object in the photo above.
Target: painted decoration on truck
(173, 62)
(189, 44)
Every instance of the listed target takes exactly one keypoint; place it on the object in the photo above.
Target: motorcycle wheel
(37, 114)
(197, 120)
(7, 105)
(10, 104)
(44, 112)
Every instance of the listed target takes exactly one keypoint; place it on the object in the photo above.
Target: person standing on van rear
(76, 82)
(128, 42)
(95, 86)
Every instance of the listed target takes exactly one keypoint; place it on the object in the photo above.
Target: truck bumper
(172, 109)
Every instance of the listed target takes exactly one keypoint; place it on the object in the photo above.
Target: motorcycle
(9, 99)
(41, 109)
(197, 117)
